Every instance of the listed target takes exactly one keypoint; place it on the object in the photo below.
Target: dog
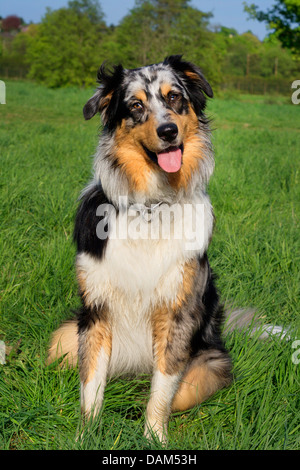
(149, 300)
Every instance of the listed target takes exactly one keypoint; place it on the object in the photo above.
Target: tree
(144, 34)
(11, 23)
(134, 41)
(276, 61)
(228, 32)
(65, 50)
(89, 8)
(283, 18)
(166, 11)
(155, 29)
(242, 55)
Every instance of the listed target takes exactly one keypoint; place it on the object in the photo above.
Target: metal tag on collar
(147, 213)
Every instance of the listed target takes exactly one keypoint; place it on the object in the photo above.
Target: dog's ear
(106, 98)
(193, 80)
(93, 105)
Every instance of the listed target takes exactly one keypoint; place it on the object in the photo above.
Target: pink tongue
(170, 161)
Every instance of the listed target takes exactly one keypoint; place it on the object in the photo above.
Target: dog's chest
(136, 274)
(131, 271)
(145, 254)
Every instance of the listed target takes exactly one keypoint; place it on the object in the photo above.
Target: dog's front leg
(94, 355)
(171, 338)
(163, 389)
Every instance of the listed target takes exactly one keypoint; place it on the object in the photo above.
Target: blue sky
(228, 13)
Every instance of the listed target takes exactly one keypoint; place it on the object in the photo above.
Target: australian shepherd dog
(142, 229)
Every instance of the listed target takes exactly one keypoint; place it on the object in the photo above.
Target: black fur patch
(85, 231)
(88, 316)
(114, 110)
(210, 313)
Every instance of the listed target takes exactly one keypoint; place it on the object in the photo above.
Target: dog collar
(147, 212)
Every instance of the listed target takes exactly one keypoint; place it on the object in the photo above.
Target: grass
(46, 150)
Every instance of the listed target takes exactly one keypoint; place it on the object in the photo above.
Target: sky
(228, 13)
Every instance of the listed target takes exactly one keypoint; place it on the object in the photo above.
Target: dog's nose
(167, 132)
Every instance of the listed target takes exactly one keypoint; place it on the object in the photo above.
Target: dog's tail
(248, 320)
(64, 343)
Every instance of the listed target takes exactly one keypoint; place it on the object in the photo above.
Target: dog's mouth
(170, 160)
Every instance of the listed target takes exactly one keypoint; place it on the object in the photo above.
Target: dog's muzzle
(170, 159)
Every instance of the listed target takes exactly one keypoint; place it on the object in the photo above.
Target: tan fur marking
(85, 293)
(141, 95)
(130, 153)
(81, 280)
(194, 388)
(202, 380)
(192, 75)
(104, 102)
(96, 337)
(163, 319)
(64, 342)
(188, 280)
(165, 89)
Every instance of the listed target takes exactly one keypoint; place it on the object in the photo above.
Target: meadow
(46, 151)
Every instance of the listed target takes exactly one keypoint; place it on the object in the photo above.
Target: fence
(258, 85)
(13, 71)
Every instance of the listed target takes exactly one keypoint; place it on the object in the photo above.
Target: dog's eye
(173, 97)
(136, 105)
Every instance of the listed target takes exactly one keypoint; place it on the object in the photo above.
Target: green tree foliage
(66, 47)
(90, 8)
(283, 18)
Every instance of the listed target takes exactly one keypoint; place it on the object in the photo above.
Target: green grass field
(46, 160)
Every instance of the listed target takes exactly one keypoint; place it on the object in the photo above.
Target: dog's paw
(155, 432)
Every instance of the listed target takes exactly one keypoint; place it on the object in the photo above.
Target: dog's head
(154, 119)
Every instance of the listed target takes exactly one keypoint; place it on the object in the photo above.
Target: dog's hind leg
(207, 373)
(94, 353)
